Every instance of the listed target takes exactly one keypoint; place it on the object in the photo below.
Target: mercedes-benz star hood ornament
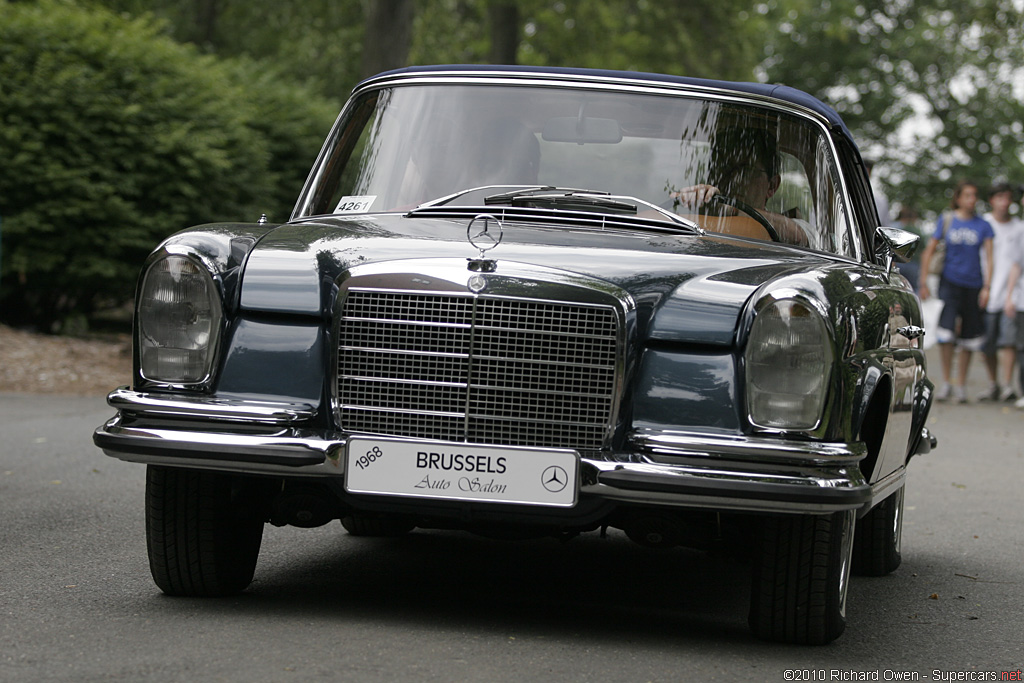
(485, 233)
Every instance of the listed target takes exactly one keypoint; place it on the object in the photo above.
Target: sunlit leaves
(932, 88)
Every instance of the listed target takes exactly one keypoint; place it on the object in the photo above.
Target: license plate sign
(458, 471)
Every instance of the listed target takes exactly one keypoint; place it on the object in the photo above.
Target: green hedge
(112, 136)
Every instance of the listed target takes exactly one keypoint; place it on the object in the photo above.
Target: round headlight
(179, 316)
(788, 366)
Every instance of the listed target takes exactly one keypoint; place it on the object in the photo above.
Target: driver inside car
(744, 175)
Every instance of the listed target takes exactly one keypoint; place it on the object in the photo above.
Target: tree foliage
(688, 37)
(705, 39)
(325, 42)
(318, 43)
(932, 88)
(113, 137)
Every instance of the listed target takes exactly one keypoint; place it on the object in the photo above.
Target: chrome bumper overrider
(673, 469)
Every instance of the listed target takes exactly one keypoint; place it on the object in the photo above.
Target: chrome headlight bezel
(788, 364)
(178, 313)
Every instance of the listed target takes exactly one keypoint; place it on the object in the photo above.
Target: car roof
(783, 93)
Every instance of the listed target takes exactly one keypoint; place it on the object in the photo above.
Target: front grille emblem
(477, 283)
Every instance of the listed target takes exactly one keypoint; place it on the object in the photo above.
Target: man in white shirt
(1000, 327)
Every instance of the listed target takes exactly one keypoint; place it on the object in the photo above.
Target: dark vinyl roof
(779, 92)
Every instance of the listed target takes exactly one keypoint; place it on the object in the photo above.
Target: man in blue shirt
(963, 285)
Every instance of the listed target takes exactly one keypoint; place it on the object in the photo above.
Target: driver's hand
(695, 196)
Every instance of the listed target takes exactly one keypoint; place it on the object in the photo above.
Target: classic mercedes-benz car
(539, 301)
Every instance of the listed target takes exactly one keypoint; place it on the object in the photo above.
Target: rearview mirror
(582, 130)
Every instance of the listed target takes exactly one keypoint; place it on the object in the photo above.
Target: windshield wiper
(550, 196)
(507, 197)
(563, 198)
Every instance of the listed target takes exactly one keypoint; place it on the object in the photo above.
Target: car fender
(868, 417)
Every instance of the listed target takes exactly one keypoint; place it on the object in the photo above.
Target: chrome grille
(477, 368)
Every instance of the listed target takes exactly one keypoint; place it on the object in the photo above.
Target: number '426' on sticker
(360, 204)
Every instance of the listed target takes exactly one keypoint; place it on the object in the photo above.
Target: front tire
(201, 541)
(877, 550)
(801, 573)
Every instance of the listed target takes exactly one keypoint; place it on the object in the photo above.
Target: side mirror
(897, 245)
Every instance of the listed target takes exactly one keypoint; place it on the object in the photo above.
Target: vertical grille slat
(482, 369)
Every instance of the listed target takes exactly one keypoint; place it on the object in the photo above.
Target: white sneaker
(961, 394)
(1007, 395)
(990, 394)
(1019, 404)
(944, 394)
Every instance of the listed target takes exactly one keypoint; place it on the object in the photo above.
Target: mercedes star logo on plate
(554, 479)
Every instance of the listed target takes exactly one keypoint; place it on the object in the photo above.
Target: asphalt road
(77, 602)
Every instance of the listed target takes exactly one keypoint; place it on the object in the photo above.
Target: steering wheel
(747, 209)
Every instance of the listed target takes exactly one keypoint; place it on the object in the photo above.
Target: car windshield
(399, 147)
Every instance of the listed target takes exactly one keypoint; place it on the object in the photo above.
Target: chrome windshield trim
(596, 81)
(210, 408)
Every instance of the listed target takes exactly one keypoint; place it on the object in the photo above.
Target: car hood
(686, 287)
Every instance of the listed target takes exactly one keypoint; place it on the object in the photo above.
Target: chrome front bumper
(690, 470)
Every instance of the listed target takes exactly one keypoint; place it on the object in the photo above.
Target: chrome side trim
(887, 486)
(209, 408)
(926, 442)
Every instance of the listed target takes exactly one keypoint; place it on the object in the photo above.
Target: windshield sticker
(355, 204)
